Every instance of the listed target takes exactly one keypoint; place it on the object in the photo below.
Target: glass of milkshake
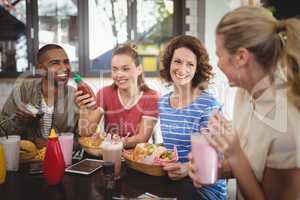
(112, 152)
(205, 158)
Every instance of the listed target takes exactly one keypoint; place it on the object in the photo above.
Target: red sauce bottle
(84, 87)
(53, 164)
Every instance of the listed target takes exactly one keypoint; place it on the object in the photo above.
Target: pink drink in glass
(66, 141)
(205, 158)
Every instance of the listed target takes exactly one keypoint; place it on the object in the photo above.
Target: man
(49, 95)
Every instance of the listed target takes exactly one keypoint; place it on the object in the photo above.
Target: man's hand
(23, 113)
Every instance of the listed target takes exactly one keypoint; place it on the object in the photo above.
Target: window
(87, 30)
(145, 22)
(13, 42)
(58, 23)
(107, 28)
(154, 31)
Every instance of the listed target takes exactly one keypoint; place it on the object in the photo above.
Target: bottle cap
(77, 78)
(52, 134)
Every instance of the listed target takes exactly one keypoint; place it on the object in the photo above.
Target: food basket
(153, 170)
(88, 147)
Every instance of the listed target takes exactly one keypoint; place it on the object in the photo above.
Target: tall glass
(112, 152)
(11, 151)
(205, 158)
(66, 141)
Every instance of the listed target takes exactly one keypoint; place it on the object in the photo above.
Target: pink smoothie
(206, 160)
(66, 143)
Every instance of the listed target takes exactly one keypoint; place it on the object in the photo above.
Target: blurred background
(90, 29)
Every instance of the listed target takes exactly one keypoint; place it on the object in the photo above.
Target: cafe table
(24, 186)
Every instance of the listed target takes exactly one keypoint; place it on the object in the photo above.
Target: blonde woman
(261, 56)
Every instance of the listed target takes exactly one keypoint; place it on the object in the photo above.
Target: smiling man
(51, 99)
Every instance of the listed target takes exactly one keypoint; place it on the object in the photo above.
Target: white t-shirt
(46, 120)
(269, 129)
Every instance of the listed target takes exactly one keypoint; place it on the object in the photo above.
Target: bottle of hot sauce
(53, 164)
(84, 87)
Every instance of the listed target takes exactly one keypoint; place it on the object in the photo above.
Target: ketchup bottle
(84, 87)
(53, 164)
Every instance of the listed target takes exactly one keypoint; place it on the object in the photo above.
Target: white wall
(215, 10)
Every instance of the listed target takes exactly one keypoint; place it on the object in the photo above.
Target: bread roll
(28, 150)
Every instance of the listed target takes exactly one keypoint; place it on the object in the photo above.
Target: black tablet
(86, 166)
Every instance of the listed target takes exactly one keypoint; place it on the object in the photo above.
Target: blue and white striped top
(177, 125)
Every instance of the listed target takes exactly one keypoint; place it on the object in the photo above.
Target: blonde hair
(274, 43)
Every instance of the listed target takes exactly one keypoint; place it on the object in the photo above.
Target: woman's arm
(224, 138)
(144, 133)
(88, 121)
(282, 184)
(245, 177)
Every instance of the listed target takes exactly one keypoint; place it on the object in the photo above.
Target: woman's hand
(176, 171)
(222, 136)
(193, 171)
(84, 101)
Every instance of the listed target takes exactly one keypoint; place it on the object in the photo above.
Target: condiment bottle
(53, 164)
(84, 87)
(2, 165)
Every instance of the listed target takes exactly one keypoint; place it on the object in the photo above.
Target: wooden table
(25, 186)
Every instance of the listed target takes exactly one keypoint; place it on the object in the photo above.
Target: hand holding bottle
(84, 96)
(84, 101)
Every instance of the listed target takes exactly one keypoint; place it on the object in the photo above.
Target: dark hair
(45, 49)
(203, 68)
(130, 50)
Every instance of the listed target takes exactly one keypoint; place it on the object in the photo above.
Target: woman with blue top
(187, 108)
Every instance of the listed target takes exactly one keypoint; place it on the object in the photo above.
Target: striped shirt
(177, 126)
(46, 120)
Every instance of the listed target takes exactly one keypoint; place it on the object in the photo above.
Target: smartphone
(85, 166)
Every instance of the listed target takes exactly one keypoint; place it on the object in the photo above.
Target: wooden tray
(153, 170)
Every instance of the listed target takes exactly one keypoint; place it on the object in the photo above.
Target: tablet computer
(86, 166)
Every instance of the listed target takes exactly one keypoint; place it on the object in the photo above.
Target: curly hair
(203, 68)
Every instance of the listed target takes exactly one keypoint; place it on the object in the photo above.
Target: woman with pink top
(129, 106)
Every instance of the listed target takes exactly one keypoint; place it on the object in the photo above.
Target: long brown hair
(274, 43)
(130, 50)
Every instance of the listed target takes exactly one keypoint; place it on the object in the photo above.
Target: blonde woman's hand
(176, 171)
(222, 136)
(193, 171)
(84, 101)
